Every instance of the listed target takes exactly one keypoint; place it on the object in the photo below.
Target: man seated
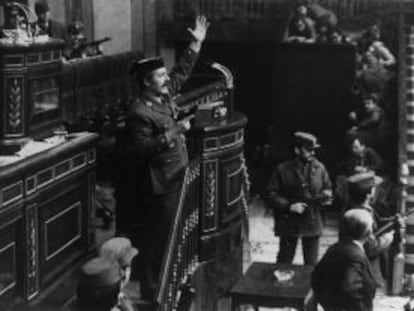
(299, 27)
(371, 42)
(342, 280)
(99, 287)
(359, 158)
(369, 122)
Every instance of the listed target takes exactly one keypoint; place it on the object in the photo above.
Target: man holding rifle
(361, 188)
(296, 191)
(156, 155)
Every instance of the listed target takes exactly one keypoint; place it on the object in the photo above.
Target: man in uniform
(295, 192)
(156, 155)
(99, 287)
(120, 250)
(361, 189)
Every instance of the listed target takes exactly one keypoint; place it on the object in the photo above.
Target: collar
(359, 244)
(299, 163)
(365, 206)
(152, 98)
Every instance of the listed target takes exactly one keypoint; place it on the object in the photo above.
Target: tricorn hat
(140, 68)
(306, 140)
(118, 249)
(364, 180)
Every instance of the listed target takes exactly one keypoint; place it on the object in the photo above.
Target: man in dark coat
(46, 26)
(156, 158)
(295, 192)
(343, 280)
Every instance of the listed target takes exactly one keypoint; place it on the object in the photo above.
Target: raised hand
(200, 30)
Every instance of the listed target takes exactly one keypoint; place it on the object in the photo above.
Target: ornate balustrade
(181, 258)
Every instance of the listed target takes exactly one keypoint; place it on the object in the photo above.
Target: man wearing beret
(44, 25)
(295, 192)
(155, 153)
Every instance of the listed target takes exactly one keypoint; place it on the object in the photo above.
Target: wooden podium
(46, 181)
(30, 92)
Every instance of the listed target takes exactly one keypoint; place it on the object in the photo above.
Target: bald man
(343, 279)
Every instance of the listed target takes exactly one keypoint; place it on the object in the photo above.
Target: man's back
(343, 280)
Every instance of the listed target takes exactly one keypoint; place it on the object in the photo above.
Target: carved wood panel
(14, 108)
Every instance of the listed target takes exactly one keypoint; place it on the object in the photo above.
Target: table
(259, 287)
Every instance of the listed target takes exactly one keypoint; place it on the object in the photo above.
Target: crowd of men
(361, 189)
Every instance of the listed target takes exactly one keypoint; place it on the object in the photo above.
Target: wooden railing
(268, 9)
(181, 256)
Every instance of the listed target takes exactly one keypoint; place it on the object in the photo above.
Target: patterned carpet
(264, 247)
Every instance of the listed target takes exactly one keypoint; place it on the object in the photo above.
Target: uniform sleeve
(375, 246)
(352, 286)
(326, 180)
(182, 70)
(141, 140)
(273, 193)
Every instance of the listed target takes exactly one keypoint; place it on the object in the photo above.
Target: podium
(30, 92)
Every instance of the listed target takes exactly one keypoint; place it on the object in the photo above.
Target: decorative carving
(210, 189)
(31, 249)
(14, 107)
(245, 189)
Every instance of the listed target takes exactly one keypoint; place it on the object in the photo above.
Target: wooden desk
(259, 287)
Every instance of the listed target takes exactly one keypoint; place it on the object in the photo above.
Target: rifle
(391, 222)
(93, 43)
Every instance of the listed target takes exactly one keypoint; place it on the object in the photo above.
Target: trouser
(162, 210)
(287, 248)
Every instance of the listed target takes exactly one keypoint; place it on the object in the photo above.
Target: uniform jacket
(160, 162)
(291, 183)
(343, 280)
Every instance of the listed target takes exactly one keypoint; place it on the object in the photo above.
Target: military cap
(75, 28)
(41, 7)
(364, 181)
(306, 140)
(118, 249)
(99, 272)
(140, 68)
